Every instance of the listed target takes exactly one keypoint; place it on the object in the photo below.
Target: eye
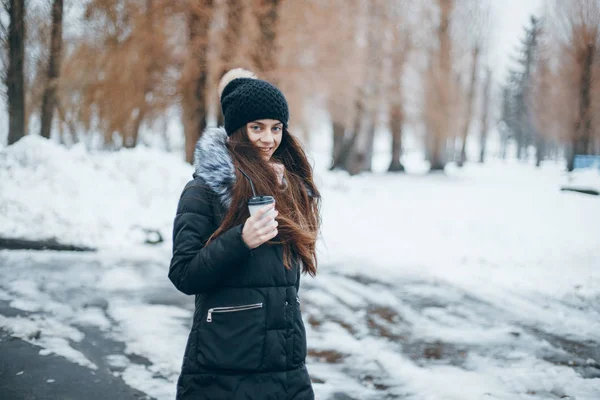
(255, 127)
(277, 128)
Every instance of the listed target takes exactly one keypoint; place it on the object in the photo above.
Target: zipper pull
(209, 316)
(298, 299)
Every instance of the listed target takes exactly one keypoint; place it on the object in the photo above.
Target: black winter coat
(247, 339)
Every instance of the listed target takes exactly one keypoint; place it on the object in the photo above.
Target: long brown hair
(298, 202)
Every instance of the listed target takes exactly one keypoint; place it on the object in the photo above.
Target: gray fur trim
(213, 163)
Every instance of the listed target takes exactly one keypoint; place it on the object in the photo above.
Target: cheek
(253, 137)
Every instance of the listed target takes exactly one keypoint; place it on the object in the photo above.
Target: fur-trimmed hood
(213, 163)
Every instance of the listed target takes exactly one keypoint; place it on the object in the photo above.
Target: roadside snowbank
(97, 199)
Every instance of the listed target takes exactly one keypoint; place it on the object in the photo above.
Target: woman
(247, 339)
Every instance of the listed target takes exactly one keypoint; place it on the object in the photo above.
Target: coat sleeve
(196, 268)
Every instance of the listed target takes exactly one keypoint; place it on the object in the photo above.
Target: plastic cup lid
(260, 200)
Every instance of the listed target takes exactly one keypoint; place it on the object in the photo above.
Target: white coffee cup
(257, 202)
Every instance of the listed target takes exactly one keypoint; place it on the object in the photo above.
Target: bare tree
(119, 73)
(195, 75)
(50, 99)
(230, 41)
(15, 80)
(541, 101)
(264, 55)
(472, 29)
(485, 114)
(341, 60)
(577, 26)
(439, 89)
(37, 55)
(469, 107)
(401, 45)
(359, 159)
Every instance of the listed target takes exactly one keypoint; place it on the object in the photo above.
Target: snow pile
(86, 198)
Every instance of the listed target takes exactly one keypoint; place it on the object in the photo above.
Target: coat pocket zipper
(231, 309)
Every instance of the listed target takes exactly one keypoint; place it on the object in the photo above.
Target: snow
(584, 179)
(480, 282)
(98, 199)
(53, 336)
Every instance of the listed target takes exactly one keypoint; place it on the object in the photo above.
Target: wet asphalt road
(25, 375)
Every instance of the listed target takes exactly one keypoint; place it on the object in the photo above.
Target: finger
(268, 236)
(263, 210)
(266, 221)
(268, 228)
(255, 221)
(262, 223)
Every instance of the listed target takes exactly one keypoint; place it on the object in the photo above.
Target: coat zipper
(231, 309)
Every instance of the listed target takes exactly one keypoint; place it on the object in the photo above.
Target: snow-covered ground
(483, 282)
(98, 199)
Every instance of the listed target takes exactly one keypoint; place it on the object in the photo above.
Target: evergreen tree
(517, 115)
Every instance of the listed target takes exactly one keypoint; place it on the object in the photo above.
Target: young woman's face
(265, 134)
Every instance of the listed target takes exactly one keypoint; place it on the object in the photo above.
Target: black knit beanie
(245, 98)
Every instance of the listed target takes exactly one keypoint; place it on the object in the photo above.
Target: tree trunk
(164, 134)
(485, 114)
(571, 156)
(519, 135)
(436, 156)
(338, 139)
(195, 76)
(539, 149)
(62, 116)
(400, 40)
(443, 80)
(583, 127)
(396, 121)
(232, 34)
(436, 163)
(371, 94)
(132, 138)
(370, 146)
(265, 52)
(356, 158)
(49, 100)
(465, 131)
(231, 39)
(15, 77)
(345, 151)
(347, 147)
(503, 146)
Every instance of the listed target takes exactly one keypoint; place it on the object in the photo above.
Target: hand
(258, 230)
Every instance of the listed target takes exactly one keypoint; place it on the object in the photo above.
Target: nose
(267, 137)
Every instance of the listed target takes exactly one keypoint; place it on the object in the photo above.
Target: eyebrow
(263, 124)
